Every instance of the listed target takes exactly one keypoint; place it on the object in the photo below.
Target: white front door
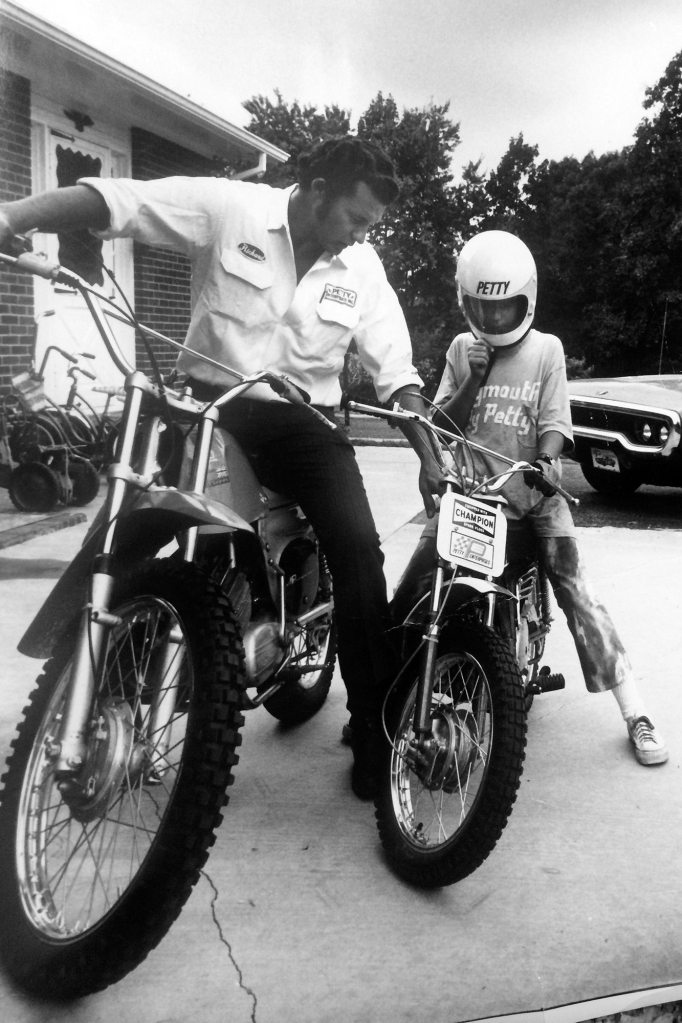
(62, 320)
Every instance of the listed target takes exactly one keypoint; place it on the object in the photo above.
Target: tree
(293, 128)
(417, 236)
(508, 200)
(607, 236)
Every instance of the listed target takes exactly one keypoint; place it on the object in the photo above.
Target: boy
(504, 387)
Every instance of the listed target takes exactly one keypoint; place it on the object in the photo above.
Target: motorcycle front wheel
(440, 815)
(96, 869)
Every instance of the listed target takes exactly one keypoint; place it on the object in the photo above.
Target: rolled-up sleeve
(382, 337)
(177, 213)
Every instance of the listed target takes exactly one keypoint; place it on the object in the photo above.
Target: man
(283, 278)
(504, 387)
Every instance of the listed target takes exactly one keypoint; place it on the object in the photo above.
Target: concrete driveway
(297, 918)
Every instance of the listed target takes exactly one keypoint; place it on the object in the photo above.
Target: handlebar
(492, 485)
(85, 372)
(29, 262)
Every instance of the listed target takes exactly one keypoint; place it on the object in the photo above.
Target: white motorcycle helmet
(497, 285)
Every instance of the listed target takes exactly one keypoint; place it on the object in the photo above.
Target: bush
(576, 368)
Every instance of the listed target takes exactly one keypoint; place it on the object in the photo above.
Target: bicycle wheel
(38, 430)
(95, 872)
(34, 487)
(84, 482)
(440, 816)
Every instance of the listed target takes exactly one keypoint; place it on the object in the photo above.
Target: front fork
(424, 740)
(70, 749)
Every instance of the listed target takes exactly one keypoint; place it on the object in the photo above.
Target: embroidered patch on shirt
(251, 252)
(342, 295)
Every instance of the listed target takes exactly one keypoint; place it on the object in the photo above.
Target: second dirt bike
(472, 613)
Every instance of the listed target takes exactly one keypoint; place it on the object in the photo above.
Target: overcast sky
(569, 74)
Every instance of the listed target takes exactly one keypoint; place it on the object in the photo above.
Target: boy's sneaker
(649, 745)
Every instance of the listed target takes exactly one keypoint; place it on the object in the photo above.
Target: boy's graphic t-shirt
(525, 395)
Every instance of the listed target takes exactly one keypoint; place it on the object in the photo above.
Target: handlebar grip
(34, 264)
(288, 389)
(42, 267)
(66, 355)
(87, 373)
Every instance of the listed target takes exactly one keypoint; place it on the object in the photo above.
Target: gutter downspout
(252, 171)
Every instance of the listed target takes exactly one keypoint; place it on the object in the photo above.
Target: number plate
(472, 533)
(602, 458)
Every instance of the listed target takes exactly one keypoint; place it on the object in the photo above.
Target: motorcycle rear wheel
(93, 878)
(440, 820)
(314, 646)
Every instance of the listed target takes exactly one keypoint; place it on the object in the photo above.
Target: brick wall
(162, 277)
(17, 324)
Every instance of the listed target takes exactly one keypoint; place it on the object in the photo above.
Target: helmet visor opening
(496, 316)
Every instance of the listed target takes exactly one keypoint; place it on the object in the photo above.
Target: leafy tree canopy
(606, 232)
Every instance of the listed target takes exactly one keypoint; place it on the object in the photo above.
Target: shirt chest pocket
(338, 316)
(244, 291)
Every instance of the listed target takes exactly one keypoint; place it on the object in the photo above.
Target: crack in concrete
(240, 976)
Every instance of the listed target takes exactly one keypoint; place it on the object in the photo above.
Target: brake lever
(285, 387)
(555, 487)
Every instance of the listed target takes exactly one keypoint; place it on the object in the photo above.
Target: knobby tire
(177, 797)
(479, 704)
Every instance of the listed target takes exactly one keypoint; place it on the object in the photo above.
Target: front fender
(153, 521)
(464, 590)
(179, 506)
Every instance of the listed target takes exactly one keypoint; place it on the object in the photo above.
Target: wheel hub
(112, 757)
(453, 749)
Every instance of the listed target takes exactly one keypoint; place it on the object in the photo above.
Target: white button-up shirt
(248, 312)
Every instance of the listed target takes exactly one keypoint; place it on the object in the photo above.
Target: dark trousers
(295, 454)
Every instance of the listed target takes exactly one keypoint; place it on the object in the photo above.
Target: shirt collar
(278, 217)
(278, 213)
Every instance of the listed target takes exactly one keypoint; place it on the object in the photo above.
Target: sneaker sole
(649, 759)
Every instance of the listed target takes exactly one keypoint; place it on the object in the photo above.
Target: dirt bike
(197, 595)
(471, 646)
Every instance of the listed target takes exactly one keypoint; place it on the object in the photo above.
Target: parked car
(627, 431)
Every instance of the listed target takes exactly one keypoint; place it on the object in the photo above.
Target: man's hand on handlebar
(424, 444)
(12, 244)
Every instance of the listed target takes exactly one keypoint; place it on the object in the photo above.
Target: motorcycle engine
(264, 650)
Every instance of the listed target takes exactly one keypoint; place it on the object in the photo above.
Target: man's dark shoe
(366, 742)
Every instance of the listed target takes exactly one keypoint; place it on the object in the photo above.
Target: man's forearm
(418, 436)
(63, 209)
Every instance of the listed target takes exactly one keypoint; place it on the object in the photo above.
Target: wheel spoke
(83, 849)
(433, 802)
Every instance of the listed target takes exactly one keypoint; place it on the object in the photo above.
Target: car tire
(610, 482)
